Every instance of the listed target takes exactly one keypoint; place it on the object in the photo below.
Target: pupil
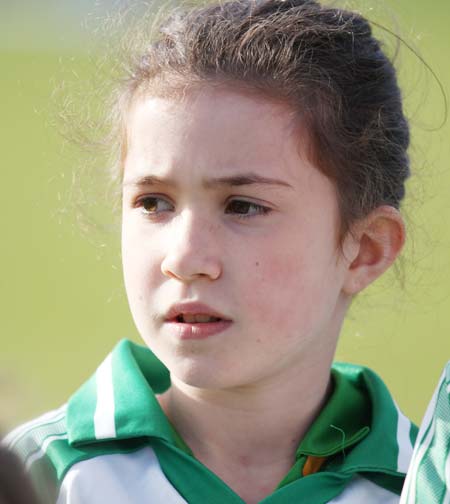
(149, 204)
(241, 206)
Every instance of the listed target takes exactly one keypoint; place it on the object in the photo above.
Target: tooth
(204, 318)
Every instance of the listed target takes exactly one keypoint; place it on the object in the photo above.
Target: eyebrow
(210, 183)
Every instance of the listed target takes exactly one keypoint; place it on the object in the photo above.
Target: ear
(372, 246)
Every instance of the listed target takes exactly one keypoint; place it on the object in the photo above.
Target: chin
(198, 365)
(198, 375)
(202, 373)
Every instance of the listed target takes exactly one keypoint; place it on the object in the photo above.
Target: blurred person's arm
(15, 487)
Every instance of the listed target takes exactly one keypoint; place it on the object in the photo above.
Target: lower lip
(198, 331)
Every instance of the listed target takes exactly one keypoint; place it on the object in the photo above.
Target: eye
(151, 205)
(246, 209)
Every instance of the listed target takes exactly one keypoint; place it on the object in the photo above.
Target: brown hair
(323, 61)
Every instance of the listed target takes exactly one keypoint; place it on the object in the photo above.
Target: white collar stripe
(104, 421)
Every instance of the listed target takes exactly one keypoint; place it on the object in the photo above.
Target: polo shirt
(113, 443)
(428, 478)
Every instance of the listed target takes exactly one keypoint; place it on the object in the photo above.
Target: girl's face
(221, 207)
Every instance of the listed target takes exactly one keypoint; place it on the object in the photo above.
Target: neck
(249, 433)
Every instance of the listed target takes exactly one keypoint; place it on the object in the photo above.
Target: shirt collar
(343, 421)
(121, 395)
(119, 403)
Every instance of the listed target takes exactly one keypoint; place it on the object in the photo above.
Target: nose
(192, 251)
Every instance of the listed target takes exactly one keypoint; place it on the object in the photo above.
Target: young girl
(263, 166)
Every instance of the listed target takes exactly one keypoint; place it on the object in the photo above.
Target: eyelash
(261, 209)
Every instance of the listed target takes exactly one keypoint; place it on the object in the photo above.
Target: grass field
(63, 302)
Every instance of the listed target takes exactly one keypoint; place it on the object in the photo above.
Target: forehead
(209, 108)
(214, 127)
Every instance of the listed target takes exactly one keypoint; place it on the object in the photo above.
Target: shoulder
(31, 440)
(63, 472)
(41, 445)
(47, 453)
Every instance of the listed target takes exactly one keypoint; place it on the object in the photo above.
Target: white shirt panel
(118, 479)
(363, 491)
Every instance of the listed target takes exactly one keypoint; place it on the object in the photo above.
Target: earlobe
(377, 241)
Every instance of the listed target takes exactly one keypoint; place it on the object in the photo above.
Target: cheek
(287, 289)
(140, 265)
(272, 286)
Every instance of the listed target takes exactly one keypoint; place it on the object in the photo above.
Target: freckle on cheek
(256, 263)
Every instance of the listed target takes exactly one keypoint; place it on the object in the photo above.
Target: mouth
(189, 321)
(193, 313)
(200, 318)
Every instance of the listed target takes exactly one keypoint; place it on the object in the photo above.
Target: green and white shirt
(113, 444)
(428, 479)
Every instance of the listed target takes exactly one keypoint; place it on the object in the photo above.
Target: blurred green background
(63, 303)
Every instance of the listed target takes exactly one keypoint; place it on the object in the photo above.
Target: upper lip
(192, 308)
